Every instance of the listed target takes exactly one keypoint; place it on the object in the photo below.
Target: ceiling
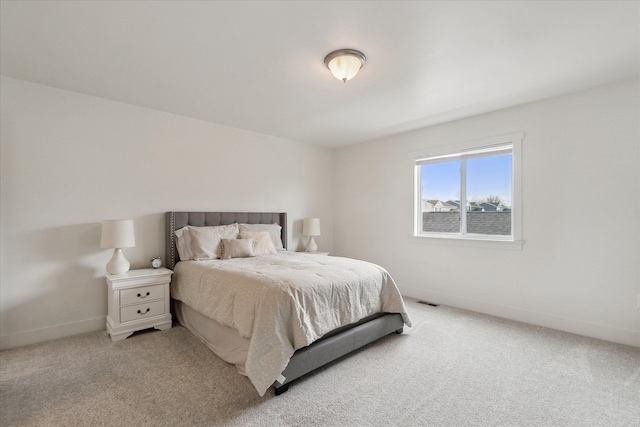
(259, 65)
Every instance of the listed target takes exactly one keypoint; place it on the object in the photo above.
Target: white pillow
(274, 230)
(205, 241)
(237, 248)
(262, 244)
(183, 243)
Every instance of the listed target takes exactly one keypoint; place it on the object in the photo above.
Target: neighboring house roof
(495, 207)
(489, 206)
(431, 205)
(440, 222)
(492, 223)
(473, 206)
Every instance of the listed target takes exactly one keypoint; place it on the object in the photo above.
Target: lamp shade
(311, 227)
(345, 63)
(117, 234)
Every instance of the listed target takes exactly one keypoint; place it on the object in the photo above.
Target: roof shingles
(492, 223)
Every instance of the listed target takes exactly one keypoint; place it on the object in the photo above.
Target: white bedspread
(284, 302)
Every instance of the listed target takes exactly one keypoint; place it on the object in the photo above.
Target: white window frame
(468, 148)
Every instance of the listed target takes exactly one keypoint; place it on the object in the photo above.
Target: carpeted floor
(453, 368)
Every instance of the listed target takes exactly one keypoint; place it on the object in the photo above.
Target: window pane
(468, 192)
(489, 195)
(440, 191)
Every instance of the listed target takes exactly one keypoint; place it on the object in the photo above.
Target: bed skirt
(222, 340)
(230, 347)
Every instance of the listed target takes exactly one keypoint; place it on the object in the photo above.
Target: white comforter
(284, 302)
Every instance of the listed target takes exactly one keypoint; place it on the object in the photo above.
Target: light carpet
(453, 368)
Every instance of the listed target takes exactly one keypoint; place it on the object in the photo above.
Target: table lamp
(117, 234)
(311, 227)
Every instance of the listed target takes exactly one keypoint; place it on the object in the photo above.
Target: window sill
(473, 242)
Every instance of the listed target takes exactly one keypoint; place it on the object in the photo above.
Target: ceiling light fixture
(345, 63)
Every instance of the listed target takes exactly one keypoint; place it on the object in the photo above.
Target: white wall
(70, 161)
(578, 269)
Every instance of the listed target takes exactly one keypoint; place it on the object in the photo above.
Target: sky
(485, 176)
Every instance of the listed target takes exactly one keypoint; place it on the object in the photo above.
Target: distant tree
(493, 199)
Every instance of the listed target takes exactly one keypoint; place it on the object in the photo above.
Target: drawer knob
(145, 312)
(143, 296)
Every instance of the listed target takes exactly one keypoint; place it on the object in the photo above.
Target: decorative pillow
(262, 244)
(237, 248)
(275, 232)
(183, 243)
(205, 241)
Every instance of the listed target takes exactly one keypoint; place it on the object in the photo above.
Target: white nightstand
(138, 299)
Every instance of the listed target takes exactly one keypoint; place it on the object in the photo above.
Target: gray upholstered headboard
(177, 220)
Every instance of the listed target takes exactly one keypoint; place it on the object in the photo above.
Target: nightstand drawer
(142, 311)
(139, 295)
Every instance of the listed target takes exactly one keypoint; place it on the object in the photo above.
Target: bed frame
(325, 350)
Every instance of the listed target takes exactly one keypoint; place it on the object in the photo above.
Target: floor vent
(428, 303)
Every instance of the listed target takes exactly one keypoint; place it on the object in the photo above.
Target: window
(470, 190)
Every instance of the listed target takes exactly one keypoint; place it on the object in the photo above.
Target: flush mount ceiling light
(345, 63)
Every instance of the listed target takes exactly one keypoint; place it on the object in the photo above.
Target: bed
(267, 349)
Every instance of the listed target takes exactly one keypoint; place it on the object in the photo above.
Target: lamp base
(118, 263)
(311, 245)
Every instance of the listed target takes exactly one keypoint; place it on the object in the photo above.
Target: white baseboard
(565, 324)
(45, 334)
(588, 329)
